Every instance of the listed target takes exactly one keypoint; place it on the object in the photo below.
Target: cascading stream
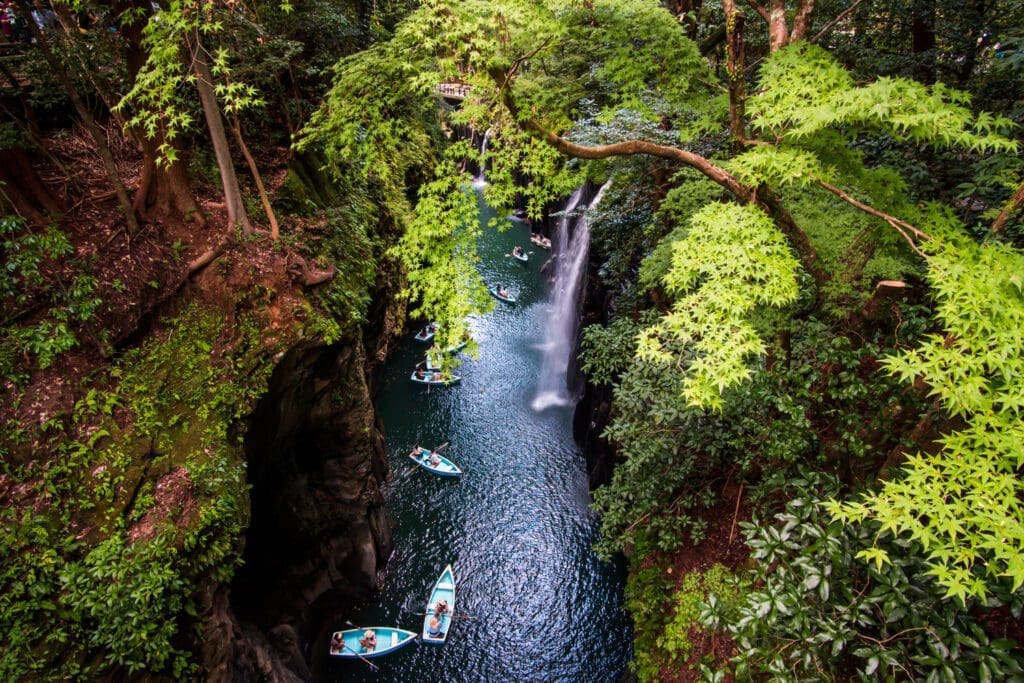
(563, 319)
(481, 179)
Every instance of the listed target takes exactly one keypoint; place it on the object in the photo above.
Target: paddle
(453, 616)
(367, 662)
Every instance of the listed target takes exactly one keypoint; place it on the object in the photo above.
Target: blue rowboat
(507, 298)
(520, 255)
(434, 377)
(427, 333)
(388, 640)
(445, 468)
(457, 347)
(444, 589)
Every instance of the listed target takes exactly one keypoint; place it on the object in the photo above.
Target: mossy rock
(307, 188)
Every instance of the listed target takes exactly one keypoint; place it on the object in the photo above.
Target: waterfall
(563, 318)
(481, 179)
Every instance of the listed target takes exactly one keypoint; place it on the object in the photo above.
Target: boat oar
(440, 447)
(367, 662)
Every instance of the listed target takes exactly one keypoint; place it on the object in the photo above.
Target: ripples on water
(516, 527)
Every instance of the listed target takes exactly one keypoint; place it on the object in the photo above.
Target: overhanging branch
(762, 196)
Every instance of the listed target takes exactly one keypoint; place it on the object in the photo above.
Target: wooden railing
(455, 91)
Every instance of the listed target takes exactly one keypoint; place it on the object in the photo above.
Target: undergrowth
(101, 570)
(666, 618)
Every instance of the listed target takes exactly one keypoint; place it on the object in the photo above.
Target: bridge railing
(454, 90)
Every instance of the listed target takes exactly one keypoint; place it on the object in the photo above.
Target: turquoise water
(516, 527)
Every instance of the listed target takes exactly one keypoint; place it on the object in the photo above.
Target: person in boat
(418, 451)
(435, 459)
(441, 608)
(502, 291)
(419, 374)
(434, 627)
(337, 642)
(369, 639)
(517, 251)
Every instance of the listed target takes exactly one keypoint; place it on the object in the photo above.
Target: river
(516, 527)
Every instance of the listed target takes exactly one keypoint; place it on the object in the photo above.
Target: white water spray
(563, 319)
(481, 179)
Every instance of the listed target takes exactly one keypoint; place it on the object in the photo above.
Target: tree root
(311, 277)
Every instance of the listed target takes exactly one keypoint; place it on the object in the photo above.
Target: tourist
(434, 628)
(337, 642)
(369, 640)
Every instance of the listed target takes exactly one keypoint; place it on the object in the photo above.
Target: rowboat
(520, 255)
(388, 640)
(444, 468)
(434, 377)
(427, 333)
(457, 347)
(496, 292)
(540, 240)
(444, 589)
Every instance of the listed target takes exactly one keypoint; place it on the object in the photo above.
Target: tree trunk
(23, 189)
(778, 32)
(95, 132)
(801, 20)
(686, 11)
(16, 171)
(236, 129)
(228, 179)
(735, 65)
(922, 39)
(164, 190)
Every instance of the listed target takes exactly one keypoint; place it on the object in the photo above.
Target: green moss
(93, 582)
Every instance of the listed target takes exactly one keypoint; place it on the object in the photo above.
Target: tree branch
(902, 227)
(1016, 201)
(842, 15)
(761, 196)
(759, 9)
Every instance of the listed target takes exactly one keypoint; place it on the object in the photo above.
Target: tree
(177, 53)
(205, 85)
(164, 189)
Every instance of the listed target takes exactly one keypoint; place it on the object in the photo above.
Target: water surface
(516, 528)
